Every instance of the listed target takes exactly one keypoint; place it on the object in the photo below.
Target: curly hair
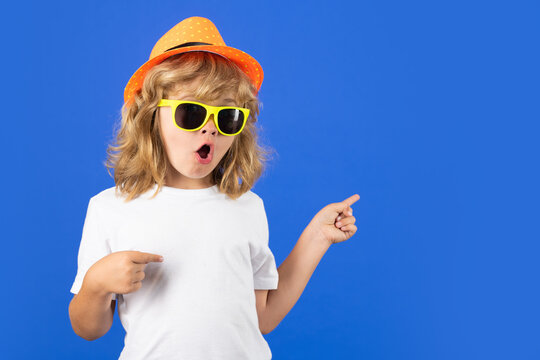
(138, 155)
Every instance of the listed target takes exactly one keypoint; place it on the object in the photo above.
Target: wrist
(93, 287)
(316, 238)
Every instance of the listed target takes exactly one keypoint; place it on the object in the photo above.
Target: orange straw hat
(193, 34)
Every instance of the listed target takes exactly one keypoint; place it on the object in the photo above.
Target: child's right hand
(120, 272)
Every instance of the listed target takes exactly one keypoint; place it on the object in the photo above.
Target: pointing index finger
(352, 199)
(140, 257)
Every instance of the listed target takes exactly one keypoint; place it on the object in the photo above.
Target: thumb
(140, 257)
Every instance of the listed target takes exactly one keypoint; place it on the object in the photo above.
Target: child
(181, 242)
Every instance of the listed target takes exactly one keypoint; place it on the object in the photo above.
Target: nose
(209, 127)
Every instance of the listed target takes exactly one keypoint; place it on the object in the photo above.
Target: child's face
(182, 146)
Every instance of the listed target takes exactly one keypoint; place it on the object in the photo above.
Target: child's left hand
(334, 223)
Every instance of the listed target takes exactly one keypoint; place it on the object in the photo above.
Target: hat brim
(244, 61)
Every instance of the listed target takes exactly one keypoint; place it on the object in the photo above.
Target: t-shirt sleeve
(265, 274)
(93, 246)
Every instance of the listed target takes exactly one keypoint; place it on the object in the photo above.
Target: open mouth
(203, 151)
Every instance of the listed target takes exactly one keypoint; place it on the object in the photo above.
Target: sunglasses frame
(209, 111)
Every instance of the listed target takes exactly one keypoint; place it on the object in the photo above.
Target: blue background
(427, 110)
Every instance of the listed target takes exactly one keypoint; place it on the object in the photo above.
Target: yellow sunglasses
(193, 115)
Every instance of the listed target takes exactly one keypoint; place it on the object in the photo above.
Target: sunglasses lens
(230, 120)
(189, 116)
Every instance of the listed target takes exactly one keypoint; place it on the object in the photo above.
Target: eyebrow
(225, 101)
(228, 101)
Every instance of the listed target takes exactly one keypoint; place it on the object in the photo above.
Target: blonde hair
(139, 158)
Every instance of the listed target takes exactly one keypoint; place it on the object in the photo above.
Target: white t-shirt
(199, 303)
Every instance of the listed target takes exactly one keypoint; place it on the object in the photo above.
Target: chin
(199, 173)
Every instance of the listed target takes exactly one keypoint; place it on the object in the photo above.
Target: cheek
(225, 146)
(181, 142)
(177, 142)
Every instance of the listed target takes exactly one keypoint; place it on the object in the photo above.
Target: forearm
(91, 313)
(294, 274)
